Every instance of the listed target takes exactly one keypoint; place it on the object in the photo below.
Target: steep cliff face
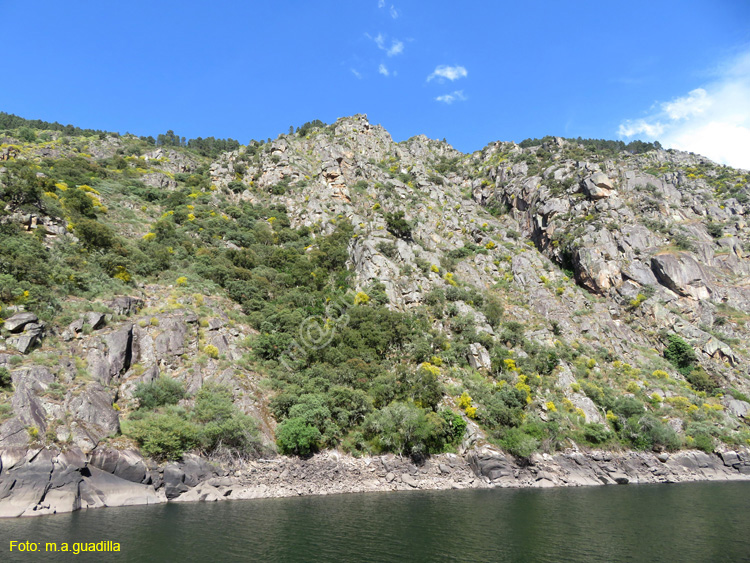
(555, 296)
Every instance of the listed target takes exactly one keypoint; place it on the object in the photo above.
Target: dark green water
(690, 522)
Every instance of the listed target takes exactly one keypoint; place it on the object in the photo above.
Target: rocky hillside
(332, 289)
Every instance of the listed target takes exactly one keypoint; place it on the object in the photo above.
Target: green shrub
(680, 354)
(512, 333)
(27, 134)
(221, 424)
(596, 433)
(704, 442)
(348, 407)
(455, 426)
(648, 432)
(93, 234)
(493, 309)
(397, 225)
(404, 428)
(701, 380)
(387, 249)
(5, 379)
(162, 435)
(159, 392)
(237, 433)
(627, 407)
(603, 396)
(295, 436)
(78, 204)
(213, 403)
(213, 425)
(714, 229)
(683, 242)
(427, 390)
(504, 407)
(518, 443)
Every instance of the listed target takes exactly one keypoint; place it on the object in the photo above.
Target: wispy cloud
(456, 96)
(396, 47)
(713, 120)
(356, 73)
(382, 69)
(445, 72)
(392, 10)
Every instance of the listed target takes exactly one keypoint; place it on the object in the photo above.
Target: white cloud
(695, 103)
(713, 120)
(396, 47)
(356, 73)
(393, 11)
(382, 69)
(451, 73)
(457, 96)
(630, 128)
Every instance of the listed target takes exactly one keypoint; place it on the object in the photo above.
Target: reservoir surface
(687, 522)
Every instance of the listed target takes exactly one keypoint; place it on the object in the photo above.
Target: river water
(688, 522)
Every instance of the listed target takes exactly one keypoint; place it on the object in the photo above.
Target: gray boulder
(24, 342)
(24, 486)
(174, 481)
(95, 418)
(127, 464)
(736, 407)
(17, 322)
(407, 479)
(730, 458)
(124, 305)
(597, 186)
(94, 320)
(479, 357)
(490, 463)
(112, 355)
(100, 488)
(196, 469)
(682, 274)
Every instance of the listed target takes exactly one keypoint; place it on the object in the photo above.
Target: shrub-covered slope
(334, 289)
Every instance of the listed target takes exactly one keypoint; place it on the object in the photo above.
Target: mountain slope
(334, 289)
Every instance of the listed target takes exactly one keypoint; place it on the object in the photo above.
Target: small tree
(397, 225)
(295, 436)
(680, 354)
(93, 234)
(5, 379)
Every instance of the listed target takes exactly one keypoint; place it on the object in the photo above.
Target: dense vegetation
(600, 145)
(25, 127)
(212, 425)
(350, 391)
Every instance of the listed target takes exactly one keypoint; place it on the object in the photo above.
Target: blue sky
(470, 72)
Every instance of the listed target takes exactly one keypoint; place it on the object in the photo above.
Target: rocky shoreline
(48, 481)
